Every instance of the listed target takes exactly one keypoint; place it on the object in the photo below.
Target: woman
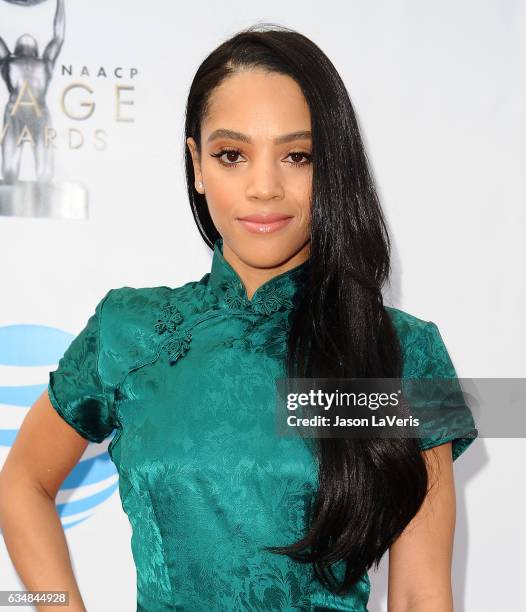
(226, 515)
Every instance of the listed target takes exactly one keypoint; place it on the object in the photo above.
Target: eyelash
(219, 154)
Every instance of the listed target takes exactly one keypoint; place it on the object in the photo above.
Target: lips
(265, 223)
(265, 218)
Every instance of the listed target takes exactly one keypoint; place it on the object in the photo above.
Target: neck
(253, 277)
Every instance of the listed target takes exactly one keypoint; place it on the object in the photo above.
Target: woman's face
(255, 160)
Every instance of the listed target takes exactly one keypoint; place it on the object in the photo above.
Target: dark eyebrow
(223, 133)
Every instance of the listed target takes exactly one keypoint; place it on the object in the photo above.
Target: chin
(267, 251)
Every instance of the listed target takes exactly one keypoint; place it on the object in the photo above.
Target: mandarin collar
(280, 292)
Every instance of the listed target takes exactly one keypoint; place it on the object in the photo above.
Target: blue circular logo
(23, 348)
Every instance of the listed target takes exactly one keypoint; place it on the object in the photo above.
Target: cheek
(221, 182)
(220, 195)
(306, 206)
(220, 199)
(303, 192)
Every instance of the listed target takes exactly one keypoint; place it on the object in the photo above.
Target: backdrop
(439, 91)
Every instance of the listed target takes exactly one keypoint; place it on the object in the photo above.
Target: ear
(196, 161)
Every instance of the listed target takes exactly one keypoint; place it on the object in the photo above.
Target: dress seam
(165, 558)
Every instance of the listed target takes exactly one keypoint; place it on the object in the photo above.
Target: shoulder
(137, 301)
(129, 320)
(139, 308)
(126, 304)
(422, 345)
(409, 327)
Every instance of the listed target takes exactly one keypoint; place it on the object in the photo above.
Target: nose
(264, 180)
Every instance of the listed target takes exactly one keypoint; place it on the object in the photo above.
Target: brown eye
(296, 155)
(230, 153)
(300, 154)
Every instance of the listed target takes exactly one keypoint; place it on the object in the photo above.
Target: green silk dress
(186, 378)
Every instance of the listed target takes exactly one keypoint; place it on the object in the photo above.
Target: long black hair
(368, 489)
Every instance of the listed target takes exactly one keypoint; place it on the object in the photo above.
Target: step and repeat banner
(93, 196)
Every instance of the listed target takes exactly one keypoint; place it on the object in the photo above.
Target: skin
(420, 560)
(44, 452)
(46, 449)
(262, 106)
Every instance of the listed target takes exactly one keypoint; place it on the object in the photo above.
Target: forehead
(257, 102)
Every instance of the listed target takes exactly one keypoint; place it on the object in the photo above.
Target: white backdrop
(439, 91)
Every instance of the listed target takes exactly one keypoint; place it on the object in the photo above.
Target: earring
(200, 183)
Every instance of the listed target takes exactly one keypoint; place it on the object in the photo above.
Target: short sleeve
(448, 417)
(76, 389)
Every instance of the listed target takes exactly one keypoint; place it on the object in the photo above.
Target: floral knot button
(178, 345)
(178, 341)
(267, 299)
(169, 319)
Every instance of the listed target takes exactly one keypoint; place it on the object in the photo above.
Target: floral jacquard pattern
(204, 478)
